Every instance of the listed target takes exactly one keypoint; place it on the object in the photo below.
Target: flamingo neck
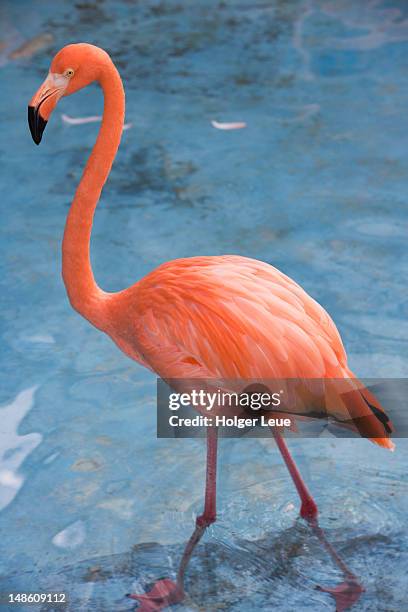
(83, 292)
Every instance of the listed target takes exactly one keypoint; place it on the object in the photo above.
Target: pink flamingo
(226, 317)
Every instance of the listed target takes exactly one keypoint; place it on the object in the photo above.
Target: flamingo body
(226, 317)
(232, 317)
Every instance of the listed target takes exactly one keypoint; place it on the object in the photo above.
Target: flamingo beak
(43, 103)
(37, 124)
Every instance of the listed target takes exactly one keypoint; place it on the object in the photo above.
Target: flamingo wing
(233, 317)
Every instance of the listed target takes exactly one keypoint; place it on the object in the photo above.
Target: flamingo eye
(69, 72)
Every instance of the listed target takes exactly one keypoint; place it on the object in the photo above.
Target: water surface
(91, 502)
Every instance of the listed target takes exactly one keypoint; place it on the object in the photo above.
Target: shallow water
(91, 502)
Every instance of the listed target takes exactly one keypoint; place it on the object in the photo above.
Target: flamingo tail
(367, 414)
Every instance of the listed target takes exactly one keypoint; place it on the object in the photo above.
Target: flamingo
(221, 317)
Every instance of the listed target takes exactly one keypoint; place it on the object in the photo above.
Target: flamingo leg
(308, 509)
(349, 591)
(165, 592)
(209, 515)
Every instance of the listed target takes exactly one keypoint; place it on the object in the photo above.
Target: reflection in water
(280, 571)
(166, 592)
(13, 447)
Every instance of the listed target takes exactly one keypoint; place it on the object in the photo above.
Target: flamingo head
(74, 67)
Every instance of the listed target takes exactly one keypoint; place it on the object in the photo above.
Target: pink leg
(209, 515)
(349, 591)
(166, 592)
(308, 509)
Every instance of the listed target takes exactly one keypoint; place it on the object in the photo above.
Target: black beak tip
(36, 123)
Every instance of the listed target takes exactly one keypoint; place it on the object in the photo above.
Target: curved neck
(83, 292)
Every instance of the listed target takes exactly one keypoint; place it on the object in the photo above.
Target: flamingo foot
(164, 593)
(345, 594)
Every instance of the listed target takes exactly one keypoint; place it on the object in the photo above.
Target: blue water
(91, 502)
